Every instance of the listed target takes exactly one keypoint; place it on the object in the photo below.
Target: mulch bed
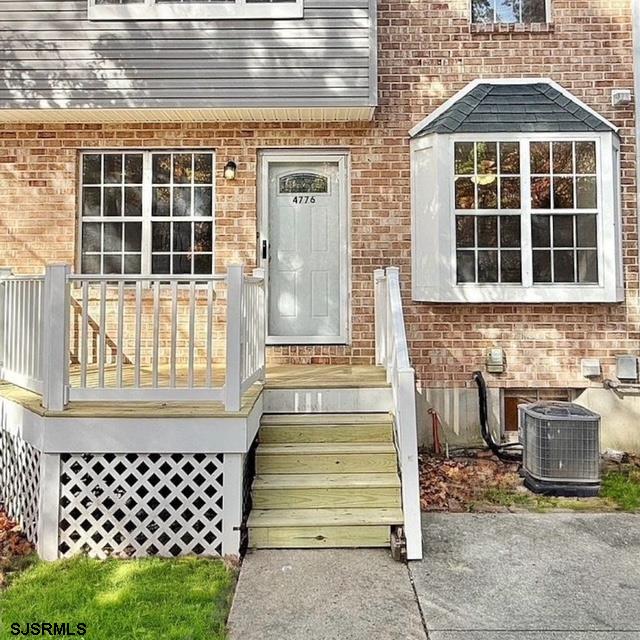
(459, 484)
(15, 549)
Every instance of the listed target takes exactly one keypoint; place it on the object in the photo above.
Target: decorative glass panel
(304, 183)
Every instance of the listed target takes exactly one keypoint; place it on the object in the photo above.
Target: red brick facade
(427, 51)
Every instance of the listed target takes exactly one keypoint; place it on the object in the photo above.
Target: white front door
(306, 236)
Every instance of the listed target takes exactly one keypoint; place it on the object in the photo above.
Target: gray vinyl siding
(52, 56)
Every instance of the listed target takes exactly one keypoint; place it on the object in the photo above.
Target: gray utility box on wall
(561, 448)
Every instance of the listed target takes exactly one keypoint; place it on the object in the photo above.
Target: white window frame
(547, 15)
(433, 225)
(231, 10)
(147, 217)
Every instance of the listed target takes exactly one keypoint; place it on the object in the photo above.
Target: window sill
(197, 11)
(519, 27)
(538, 294)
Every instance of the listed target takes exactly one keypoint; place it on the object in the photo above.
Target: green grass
(623, 487)
(620, 492)
(185, 599)
(511, 499)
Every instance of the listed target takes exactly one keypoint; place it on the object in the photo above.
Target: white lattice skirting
(20, 482)
(139, 505)
(124, 504)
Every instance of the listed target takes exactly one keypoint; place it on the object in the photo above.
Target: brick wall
(427, 51)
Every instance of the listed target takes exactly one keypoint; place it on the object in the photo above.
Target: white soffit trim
(216, 114)
(473, 84)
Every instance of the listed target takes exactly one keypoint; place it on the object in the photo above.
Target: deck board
(278, 377)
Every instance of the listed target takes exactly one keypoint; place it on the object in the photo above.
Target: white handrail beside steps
(392, 352)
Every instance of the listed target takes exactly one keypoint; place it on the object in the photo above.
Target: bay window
(516, 218)
(147, 212)
(193, 9)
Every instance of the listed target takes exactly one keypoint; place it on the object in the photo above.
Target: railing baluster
(138, 333)
(174, 331)
(13, 327)
(84, 335)
(27, 326)
(209, 333)
(21, 310)
(156, 332)
(102, 348)
(119, 339)
(33, 330)
(192, 329)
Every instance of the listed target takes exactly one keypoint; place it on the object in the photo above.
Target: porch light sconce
(230, 170)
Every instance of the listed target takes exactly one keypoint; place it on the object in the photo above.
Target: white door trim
(265, 158)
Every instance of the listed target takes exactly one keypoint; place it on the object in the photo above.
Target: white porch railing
(21, 313)
(134, 337)
(392, 352)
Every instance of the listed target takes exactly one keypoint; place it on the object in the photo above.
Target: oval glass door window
(303, 183)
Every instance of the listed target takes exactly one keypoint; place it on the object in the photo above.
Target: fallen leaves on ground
(15, 549)
(458, 484)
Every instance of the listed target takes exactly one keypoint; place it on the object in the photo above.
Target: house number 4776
(304, 199)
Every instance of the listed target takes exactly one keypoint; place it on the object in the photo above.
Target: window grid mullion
(526, 245)
(147, 196)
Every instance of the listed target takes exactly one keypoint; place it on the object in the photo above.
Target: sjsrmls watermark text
(44, 629)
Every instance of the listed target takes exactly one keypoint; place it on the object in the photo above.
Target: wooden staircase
(325, 480)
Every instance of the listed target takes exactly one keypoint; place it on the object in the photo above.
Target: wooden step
(319, 537)
(295, 491)
(260, 518)
(325, 498)
(326, 480)
(326, 418)
(326, 458)
(313, 432)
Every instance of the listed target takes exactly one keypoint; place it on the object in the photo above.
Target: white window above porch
(193, 9)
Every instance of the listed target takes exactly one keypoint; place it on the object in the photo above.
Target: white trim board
(504, 81)
(372, 400)
(61, 434)
(235, 10)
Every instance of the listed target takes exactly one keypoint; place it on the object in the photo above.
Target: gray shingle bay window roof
(520, 107)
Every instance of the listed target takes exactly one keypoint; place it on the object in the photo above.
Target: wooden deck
(278, 377)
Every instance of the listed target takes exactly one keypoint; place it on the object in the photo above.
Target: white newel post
(232, 503)
(262, 326)
(409, 463)
(55, 343)
(379, 303)
(4, 273)
(49, 507)
(232, 385)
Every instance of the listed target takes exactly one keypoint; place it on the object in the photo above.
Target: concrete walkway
(324, 595)
(556, 576)
(560, 576)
